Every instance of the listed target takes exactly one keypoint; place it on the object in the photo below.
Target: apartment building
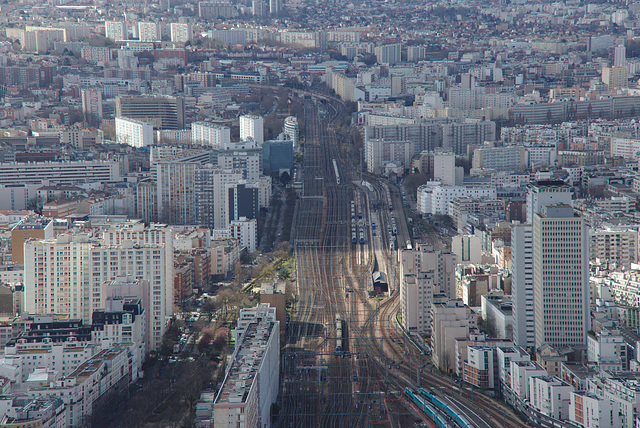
(451, 320)
(181, 32)
(108, 372)
(145, 253)
(64, 172)
(424, 272)
(246, 232)
(614, 245)
(210, 134)
(252, 126)
(57, 276)
(149, 32)
(133, 132)
(176, 190)
(92, 105)
(115, 30)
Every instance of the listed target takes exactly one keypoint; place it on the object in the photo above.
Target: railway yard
(346, 362)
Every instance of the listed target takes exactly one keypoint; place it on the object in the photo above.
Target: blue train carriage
(338, 333)
(459, 420)
(422, 405)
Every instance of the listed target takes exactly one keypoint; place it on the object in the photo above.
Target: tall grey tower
(560, 276)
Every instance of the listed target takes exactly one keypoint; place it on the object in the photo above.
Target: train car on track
(434, 415)
(335, 170)
(459, 420)
(338, 333)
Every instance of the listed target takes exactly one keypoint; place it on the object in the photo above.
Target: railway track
(323, 386)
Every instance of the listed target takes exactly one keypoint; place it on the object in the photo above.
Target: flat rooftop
(245, 365)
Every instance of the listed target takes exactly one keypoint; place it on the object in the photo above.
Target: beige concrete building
(451, 320)
(614, 245)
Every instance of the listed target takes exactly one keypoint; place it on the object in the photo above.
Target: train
(459, 420)
(425, 408)
(338, 333)
(354, 230)
(335, 169)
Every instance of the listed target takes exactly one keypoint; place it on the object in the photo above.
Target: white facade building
(592, 411)
(210, 134)
(624, 390)
(444, 167)
(222, 178)
(115, 30)
(149, 32)
(550, 396)
(246, 232)
(389, 54)
(424, 273)
(133, 132)
(21, 360)
(139, 261)
(539, 156)
(249, 162)
(608, 350)
(56, 276)
(13, 173)
(66, 275)
(628, 148)
(504, 356)
(252, 126)
(292, 129)
(181, 32)
(176, 192)
(521, 374)
(434, 197)
(498, 310)
(522, 285)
